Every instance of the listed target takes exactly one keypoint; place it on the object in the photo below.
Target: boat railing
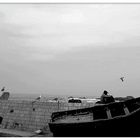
(133, 104)
(98, 111)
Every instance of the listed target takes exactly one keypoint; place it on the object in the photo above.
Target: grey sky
(70, 49)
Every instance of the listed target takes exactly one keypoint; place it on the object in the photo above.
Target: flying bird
(122, 78)
(3, 89)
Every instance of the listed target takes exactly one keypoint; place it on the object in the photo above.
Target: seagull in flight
(3, 89)
(122, 78)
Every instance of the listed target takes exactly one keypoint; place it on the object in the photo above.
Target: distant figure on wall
(106, 98)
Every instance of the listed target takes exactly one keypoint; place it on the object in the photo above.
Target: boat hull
(124, 126)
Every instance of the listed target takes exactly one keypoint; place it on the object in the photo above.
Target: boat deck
(72, 119)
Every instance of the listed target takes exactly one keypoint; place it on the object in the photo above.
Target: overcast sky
(70, 49)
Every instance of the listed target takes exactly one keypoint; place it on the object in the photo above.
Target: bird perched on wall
(3, 89)
(37, 99)
(40, 131)
(122, 78)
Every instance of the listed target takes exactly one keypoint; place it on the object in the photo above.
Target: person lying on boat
(106, 97)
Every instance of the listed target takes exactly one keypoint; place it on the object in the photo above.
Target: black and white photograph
(69, 70)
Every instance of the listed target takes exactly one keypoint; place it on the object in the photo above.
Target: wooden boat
(118, 119)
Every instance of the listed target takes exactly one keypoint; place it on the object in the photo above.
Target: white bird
(38, 131)
(3, 89)
(122, 78)
(38, 98)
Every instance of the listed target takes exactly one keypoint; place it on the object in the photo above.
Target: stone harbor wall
(32, 116)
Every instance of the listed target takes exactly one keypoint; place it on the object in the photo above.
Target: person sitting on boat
(106, 97)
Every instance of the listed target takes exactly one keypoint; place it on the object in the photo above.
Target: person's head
(105, 92)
